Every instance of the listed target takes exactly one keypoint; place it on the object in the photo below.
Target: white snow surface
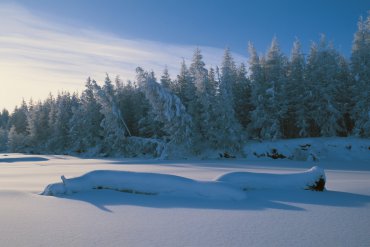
(339, 216)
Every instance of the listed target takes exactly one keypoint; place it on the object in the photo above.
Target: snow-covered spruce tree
(59, 120)
(38, 126)
(295, 121)
(258, 117)
(85, 131)
(322, 76)
(169, 110)
(242, 93)
(114, 126)
(17, 142)
(18, 133)
(3, 139)
(132, 104)
(204, 114)
(19, 118)
(228, 128)
(360, 68)
(213, 132)
(275, 67)
(4, 119)
(186, 89)
(344, 97)
(166, 79)
(268, 94)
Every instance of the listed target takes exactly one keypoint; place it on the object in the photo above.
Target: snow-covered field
(339, 216)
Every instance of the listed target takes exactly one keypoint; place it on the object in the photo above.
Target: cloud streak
(38, 56)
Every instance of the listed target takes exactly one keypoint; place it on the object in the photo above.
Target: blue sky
(216, 23)
(49, 46)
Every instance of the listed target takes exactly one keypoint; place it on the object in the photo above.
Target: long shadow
(22, 159)
(256, 200)
(243, 163)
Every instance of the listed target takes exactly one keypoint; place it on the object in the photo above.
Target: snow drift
(227, 186)
(312, 179)
(146, 184)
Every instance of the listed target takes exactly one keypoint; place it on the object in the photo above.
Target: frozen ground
(339, 216)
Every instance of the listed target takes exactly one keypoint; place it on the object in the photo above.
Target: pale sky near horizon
(50, 46)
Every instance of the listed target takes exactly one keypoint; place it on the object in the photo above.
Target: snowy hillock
(312, 179)
(311, 149)
(228, 186)
(145, 184)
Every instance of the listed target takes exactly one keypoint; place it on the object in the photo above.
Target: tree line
(321, 94)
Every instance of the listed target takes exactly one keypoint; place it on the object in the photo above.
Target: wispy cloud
(38, 56)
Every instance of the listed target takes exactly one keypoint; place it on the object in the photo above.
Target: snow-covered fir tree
(85, 129)
(228, 128)
(296, 123)
(177, 124)
(166, 79)
(258, 117)
(38, 126)
(114, 126)
(242, 94)
(360, 67)
(322, 76)
(60, 125)
(269, 77)
(186, 89)
(4, 118)
(203, 114)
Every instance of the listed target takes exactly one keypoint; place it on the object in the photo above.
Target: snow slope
(339, 216)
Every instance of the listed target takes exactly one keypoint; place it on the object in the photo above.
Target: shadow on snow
(256, 200)
(22, 159)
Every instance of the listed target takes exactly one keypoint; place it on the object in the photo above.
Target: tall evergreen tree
(186, 89)
(60, 124)
(204, 110)
(322, 75)
(295, 121)
(166, 79)
(114, 126)
(258, 116)
(229, 129)
(269, 93)
(85, 129)
(19, 118)
(169, 111)
(18, 133)
(242, 94)
(38, 127)
(4, 119)
(360, 67)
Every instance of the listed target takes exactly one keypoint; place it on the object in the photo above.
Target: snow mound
(312, 179)
(227, 186)
(146, 184)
